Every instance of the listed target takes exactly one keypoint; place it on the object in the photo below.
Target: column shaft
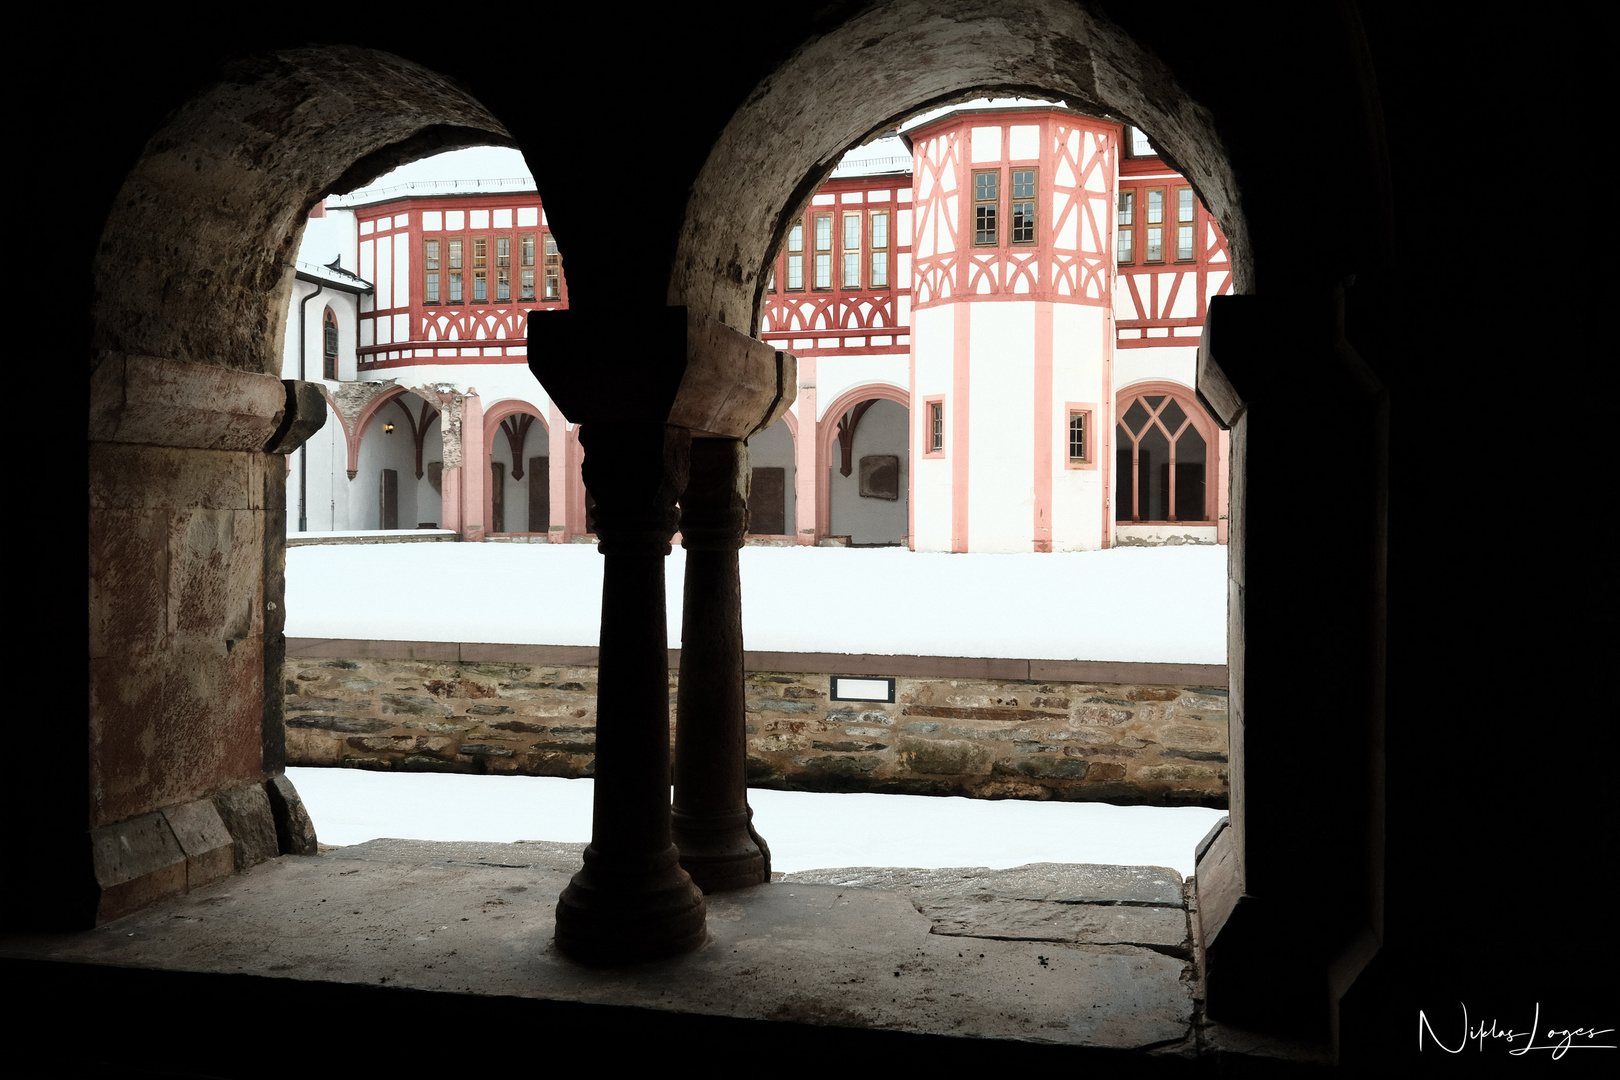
(719, 847)
(632, 901)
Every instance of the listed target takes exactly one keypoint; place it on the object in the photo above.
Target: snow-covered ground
(1129, 604)
(1165, 604)
(806, 831)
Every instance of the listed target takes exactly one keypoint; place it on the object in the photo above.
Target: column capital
(714, 506)
(635, 472)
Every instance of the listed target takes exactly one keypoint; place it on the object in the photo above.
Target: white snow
(805, 831)
(1164, 604)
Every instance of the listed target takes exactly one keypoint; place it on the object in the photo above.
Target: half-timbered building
(995, 315)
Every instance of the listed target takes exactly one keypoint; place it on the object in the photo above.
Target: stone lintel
(146, 399)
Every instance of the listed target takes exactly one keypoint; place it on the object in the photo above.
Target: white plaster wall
(345, 306)
(327, 501)
(1001, 462)
(1177, 363)
(773, 449)
(932, 347)
(1079, 362)
(837, 374)
(883, 430)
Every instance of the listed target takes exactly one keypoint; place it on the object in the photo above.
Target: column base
(620, 910)
(721, 851)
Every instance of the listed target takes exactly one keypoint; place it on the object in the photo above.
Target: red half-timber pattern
(937, 182)
(440, 334)
(841, 321)
(1166, 303)
(1072, 258)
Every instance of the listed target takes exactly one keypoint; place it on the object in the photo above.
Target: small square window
(1080, 447)
(933, 434)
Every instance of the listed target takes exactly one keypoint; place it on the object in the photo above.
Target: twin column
(640, 893)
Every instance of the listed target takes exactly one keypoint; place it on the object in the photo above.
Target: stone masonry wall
(983, 738)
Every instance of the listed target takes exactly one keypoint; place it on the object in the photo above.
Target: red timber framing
(1047, 192)
(1169, 268)
(455, 277)
(841, 285)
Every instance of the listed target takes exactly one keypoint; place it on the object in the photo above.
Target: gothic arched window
(329, 346)
(1164, 458)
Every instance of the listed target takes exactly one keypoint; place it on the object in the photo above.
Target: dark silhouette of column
(711, 824)
(632, 901)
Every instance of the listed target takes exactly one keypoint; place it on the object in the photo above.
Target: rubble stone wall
(531, 710)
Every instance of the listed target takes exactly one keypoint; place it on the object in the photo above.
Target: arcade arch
(870, 421)
(203, 312)
(518, 499)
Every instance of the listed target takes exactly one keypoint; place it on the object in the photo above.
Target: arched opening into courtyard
(724, 242)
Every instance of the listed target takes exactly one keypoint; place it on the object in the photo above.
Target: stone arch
(826, 434)
(192, 276)
(195, 261)
(907, 58)
(494, 439)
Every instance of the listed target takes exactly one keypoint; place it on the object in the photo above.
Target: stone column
(719, 847)
(632, 901)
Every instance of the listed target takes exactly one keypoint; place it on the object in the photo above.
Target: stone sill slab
(1043, 954)
(933, 667)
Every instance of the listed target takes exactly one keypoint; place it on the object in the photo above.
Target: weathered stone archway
(892, 61)
(192, 278)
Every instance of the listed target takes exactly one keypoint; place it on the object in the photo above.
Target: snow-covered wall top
(1143, 605)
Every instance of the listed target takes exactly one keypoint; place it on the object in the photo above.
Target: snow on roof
(1150, 605)
(979, 105)
(455, 172)
(882, 156)
(334, 274)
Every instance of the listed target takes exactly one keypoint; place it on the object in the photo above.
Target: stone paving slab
(1161, 928)
(478, 918)
(1059, 883)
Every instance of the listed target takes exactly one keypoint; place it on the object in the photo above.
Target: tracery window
(329, 345)
(1162, 459)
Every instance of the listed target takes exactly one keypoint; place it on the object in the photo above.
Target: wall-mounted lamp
(388, 429)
